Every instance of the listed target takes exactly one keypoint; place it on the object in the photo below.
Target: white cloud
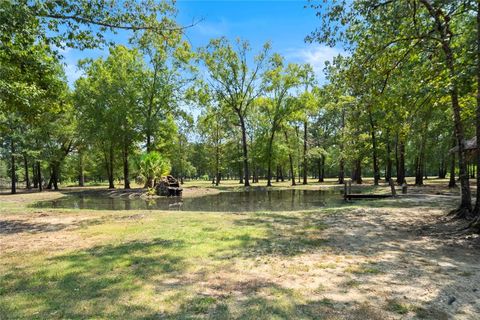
(316, 56)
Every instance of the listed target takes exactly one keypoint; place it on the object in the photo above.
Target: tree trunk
(34, 176)
(149, 142)
(341, 172)
(299, 162)
(55, 175)
(125, 168)
(388, 171)
(476, 210)
(111, 184)
(292, 172)
(150, 111)
(27, 178)
(240, 173)
(322, 171)
(452, 183)
(305, 147)
(39, 173)
(290, 159)
(419, 171)
(420, 163)
(269, 160)
(13, 168)
(442, 172)
(50, 180)
(319, 165)
(254, 177)
(81, 175)
(245, 150)
(217, 165)
(376, 170)
(442, 22)
(401, 162)
(357, 176)
(397, 162)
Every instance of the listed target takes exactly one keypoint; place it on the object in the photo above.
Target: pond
(271, 200)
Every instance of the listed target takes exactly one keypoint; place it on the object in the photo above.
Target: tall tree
(279, 81)
(234, 83)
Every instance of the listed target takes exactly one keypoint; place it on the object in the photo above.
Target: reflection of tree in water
(255, 200)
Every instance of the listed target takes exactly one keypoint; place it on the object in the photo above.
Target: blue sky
(284, 23)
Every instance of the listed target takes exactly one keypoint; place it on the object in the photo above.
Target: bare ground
(389, 259)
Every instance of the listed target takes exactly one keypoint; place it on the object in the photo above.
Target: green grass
(398, 307)
(362, 269)
(88, 264)
(150, 264)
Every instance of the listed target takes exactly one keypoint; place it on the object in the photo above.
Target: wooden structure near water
(348, 195)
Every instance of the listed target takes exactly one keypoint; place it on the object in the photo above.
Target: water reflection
(274, 200)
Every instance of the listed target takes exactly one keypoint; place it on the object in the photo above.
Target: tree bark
(149, 117)
(290, 159)
(305, 147)
(149, 141)
(320, 167)
(401, 162)
(81, 175)
(299, 162)
(321, 178)
(357, 172)
(125, 168)
(388, 171)
(270, 155)
(419, 170)
(245, 150)
(34, 176)
(111, 184)
(240, 173)
(55, 175)
(476, 210)
(341, 171)
(420, 161)
(27, 178)
(39, 173)
(217, 165)
(442, 22)
(452, 183)
(442, 170)
(13, 168)
(50, 180)
(376, 170)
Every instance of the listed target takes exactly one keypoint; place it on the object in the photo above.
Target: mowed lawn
(92, 264)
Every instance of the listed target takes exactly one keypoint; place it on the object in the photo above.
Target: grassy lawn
(354, 261)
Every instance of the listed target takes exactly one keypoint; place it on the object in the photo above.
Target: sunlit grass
(169, 265)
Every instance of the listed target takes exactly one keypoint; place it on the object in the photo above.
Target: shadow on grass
(111, 281)
(18, 226)
(267, 301)
(95, 283)
(9, 226)
(284, 236)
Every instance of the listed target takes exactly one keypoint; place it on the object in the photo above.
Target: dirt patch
(389, 259)
(378, 263)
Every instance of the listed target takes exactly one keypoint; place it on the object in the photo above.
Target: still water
(273, 200)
